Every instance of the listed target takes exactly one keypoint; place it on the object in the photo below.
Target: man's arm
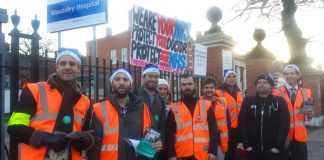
(162, 119)
(213, 132)
(18, 125)
(170, 135)
(97, 128)
(242, 122)
(284, 124)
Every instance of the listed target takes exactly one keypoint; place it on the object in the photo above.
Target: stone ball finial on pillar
(214, 15)
(259, 35)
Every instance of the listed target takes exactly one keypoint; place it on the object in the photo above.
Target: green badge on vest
(205, 148)
(66, 119)
(156, 117)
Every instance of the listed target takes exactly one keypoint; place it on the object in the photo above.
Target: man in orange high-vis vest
(191, 132)
(233, 97)
(122, 115)
(51, 118)
(208, 88)
(295, 97)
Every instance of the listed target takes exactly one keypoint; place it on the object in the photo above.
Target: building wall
(312, 81)
(214, 63)
(107, 44)
(322, 94)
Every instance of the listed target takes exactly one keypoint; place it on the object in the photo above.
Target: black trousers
(232, 144)
(298, 150)
(262, 155)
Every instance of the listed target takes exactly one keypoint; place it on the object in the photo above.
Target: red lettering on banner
(170, 27)
(166, 26)
(164, 59)
(161, 41)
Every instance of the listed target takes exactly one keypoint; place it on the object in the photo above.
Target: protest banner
(158, 40)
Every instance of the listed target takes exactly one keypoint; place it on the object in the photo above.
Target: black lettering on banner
(176, 45)
(133, 49)
(146, 52)
(145, 18)
(143, 35)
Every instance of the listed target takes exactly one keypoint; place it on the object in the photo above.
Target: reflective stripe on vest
(45, 115)
(297, 124)
(222, 102)
(107, 129)
(184, 138)
(233, 107)
(223, 123)
(201, 140)
(177, 118)
(109, 147)
(297, 127)
(224, 134)
(48, 105)
(194, 139)
(304, 94)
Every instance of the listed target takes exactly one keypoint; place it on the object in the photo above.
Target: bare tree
(44, 44)
(284, 9)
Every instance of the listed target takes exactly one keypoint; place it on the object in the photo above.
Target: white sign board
(70, 14)
(200, 60)
(227, 60)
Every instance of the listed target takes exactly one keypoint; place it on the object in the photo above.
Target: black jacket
(157, 109)
(130, 126)
(267, 130)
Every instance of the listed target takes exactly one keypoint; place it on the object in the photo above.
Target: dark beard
(121, 95)
(191, 94)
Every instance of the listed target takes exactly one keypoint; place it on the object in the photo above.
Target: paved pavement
(315, 143)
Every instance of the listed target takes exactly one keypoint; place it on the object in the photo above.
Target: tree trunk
(296, 42)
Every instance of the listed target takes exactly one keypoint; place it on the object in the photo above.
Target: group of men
(55, 120)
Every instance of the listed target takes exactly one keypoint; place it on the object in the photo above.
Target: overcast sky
(185, 10)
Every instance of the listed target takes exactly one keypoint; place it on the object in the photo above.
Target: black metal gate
(33, 68)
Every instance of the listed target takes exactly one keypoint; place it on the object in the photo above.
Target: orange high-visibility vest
(192, 133)
(297, 129)
(108, 117)
(233, 106)
(48, 105)
(220, 116)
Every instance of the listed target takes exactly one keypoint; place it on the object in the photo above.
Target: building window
(124, 54)
(113, 56)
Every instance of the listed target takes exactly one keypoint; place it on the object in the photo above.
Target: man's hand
(81, 140)
(248, 149)
(240, 146)
(287, 144)
(172, 158)
(274, 150)
(211, 156)
(157, 146)
(57, 142)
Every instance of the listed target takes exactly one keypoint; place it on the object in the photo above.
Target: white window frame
(113, 56)
(124, 55)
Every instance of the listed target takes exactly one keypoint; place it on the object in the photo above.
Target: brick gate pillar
(258, 61)
(220, 46)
